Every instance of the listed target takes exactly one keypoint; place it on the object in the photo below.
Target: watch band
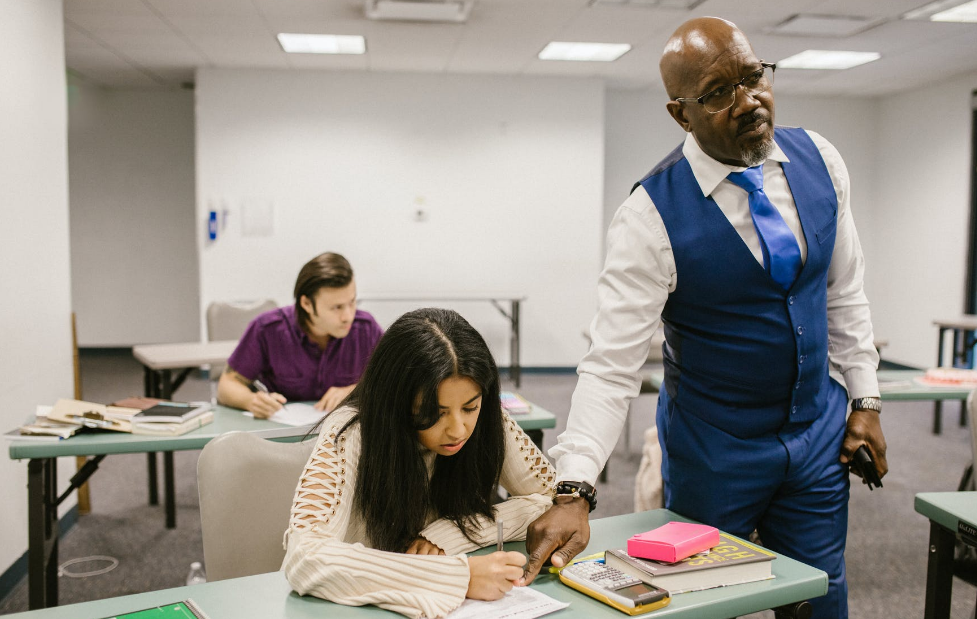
(578, 489)
(872, 404)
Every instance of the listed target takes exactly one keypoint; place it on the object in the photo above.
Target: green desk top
(899, 385)
(947, 509)
(269, 596)
(895, 385)
(225, 420)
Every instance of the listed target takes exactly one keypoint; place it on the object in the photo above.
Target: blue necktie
(781, 254)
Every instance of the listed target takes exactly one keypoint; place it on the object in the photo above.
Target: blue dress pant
(789, 486)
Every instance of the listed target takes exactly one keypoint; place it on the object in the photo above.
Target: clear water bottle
(196, 575)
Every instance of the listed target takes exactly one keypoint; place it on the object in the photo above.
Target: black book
(171, 412)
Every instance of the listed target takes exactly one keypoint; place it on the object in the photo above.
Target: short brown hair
(326, 270)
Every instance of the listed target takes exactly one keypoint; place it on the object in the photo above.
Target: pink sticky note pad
(673, 541)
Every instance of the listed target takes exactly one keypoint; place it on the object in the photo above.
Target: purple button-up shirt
(276, 350)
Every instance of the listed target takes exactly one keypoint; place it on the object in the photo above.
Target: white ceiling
(157, 44)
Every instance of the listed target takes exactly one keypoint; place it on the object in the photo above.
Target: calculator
(614, 588)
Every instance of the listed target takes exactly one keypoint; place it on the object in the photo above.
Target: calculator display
(634, 590)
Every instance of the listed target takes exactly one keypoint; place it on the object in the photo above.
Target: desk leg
(515, 369)
(169, 486)
(152, 475)
(42, 533)
(169, 489)
(151, 390)
(939, 573)
(938, 405)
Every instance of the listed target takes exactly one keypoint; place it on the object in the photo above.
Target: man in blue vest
(741, 243)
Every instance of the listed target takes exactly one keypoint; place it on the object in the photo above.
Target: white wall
(509, 171)
(640, 133)
(923, 217)
(132, 216)
(35, 316)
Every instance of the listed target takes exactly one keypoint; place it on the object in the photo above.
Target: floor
(887, 540)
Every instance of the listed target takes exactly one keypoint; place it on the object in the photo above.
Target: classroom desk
(950, 514)
(269, 596)
(963, 341)
(159, 361)
(43, 501)
(894, 385)
(512, 315)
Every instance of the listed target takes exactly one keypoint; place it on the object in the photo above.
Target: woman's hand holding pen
(494, 574)
(264, 404)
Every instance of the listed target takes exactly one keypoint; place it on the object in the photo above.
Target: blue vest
(740, 352)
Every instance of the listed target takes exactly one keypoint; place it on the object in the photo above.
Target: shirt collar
(291, 316)
(709, 173)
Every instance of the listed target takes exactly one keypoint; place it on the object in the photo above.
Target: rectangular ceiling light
(946, 11)
(827, 59)
(322, 43)
(584, 52)
(963, 13)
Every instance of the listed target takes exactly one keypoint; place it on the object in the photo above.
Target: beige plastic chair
(246, 486)
(227, 321)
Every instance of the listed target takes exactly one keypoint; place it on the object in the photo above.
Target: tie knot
(750, 179)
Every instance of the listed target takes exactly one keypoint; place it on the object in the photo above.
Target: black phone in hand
(863, 464)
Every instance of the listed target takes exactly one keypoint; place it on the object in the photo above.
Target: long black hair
(396, 397)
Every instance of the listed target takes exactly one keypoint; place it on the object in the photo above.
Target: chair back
(227, 321)
(246, 485)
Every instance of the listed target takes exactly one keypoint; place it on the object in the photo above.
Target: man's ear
(307, 304)
(677, 111)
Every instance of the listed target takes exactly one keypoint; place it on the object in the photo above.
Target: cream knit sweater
(328, 554)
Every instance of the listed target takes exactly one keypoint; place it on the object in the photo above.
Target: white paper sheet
(295, 414)
(518, 603)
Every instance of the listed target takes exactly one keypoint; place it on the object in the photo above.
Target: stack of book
(172, 418)
(949, 377)
(731, 562)
(514, 404)
(136, 416)
(43, 430)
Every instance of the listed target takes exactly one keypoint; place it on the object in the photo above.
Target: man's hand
(563, 531)
(864, 428)
(494, 574)
(332, 398)
(421, 546)
(264, 405)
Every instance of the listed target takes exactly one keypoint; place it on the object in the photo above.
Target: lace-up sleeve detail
(320, 490)
(324, 555)
(530, 481)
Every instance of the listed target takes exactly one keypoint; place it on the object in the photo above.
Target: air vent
(454, 11)
(838, 26)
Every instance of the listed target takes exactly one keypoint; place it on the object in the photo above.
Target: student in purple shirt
(314, 350)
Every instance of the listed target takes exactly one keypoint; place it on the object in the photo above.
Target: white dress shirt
(639, 273)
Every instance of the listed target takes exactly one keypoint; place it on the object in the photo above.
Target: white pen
(498, 544)
(260, 386)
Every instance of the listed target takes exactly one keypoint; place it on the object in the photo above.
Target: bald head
(697, 45)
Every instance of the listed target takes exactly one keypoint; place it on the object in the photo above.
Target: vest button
(793, 410)
(801, 358)
(791, 299)
(800, 330)
(798, 385)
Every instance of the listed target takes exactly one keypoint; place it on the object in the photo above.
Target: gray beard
(757, 154)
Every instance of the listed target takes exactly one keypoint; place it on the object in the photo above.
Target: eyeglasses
(722, 98)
